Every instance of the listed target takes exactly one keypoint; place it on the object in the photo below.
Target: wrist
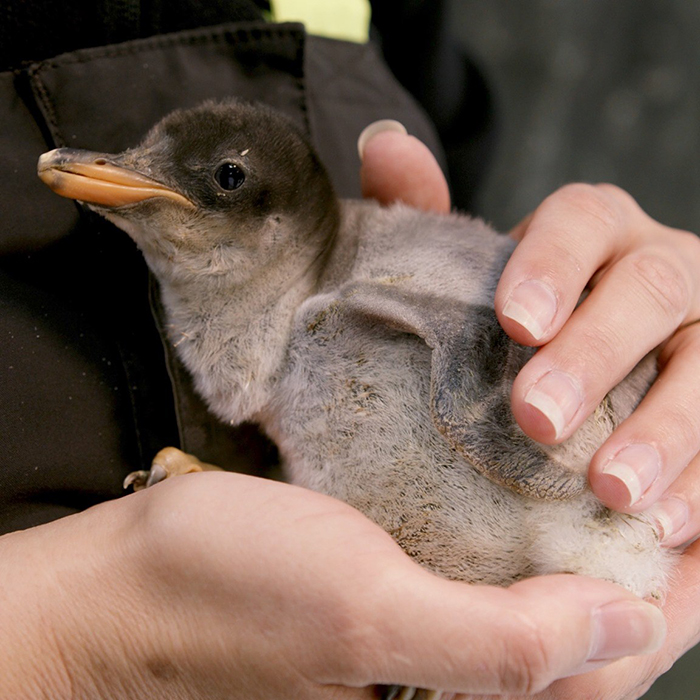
(60, 585)
(31, 663)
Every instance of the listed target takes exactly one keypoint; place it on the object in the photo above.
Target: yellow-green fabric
(341, 19)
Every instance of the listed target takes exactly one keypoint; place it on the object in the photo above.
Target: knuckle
(526, 664)
(595, 202)
(683, 346)
(663, 282)
(685, 244)
(680, 423)
(605, 350)
(622, 197)
(688, 241)
(683, 425)
(353, 646)
(172, 527)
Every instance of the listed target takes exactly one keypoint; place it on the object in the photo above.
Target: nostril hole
(100, 161)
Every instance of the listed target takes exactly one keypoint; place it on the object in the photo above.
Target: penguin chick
(364, 341)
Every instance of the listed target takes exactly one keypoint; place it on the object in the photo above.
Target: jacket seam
(228, 34)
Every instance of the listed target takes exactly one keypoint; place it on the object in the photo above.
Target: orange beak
(92, 178)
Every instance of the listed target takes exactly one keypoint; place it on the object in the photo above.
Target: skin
(220, 585)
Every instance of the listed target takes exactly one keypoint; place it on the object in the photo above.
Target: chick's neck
(233, 336)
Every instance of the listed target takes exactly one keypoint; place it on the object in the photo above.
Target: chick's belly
(357, 426)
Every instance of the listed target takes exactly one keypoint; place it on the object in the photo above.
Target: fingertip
(371, 130)
(611, 491)
(529, 311)
(397, 167)
(628, 479)
(534, 423)
(672, 517)
(626, 627)
(547, 405)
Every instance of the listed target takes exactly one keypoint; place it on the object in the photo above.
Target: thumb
(487, 640)
(397, 167)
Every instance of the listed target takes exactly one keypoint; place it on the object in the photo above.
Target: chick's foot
(167, 463)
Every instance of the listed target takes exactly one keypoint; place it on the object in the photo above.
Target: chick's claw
(167, 463)
(396, 692)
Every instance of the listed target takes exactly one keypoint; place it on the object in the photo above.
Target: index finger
(572, 235)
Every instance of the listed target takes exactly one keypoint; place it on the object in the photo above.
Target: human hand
(221, 585)
(645, 292)
(644, 287)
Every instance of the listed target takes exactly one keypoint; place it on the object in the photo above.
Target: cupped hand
(219, 585)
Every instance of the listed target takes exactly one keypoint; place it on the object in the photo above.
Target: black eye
(229, 176)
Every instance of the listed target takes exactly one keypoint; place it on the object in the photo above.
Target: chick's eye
(229, 176)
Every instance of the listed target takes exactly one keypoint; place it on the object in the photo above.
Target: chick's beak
(93, 178)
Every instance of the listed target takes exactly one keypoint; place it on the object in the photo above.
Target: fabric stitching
(43, 99)
(300, 80)
(230, 34)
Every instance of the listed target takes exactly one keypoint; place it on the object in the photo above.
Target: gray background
(593, 90)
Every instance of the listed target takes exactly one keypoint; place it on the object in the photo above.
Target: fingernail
(671, 516)
(558, 397)
(624, 628)
(632, 471)
(375, 128)
(533, 305)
